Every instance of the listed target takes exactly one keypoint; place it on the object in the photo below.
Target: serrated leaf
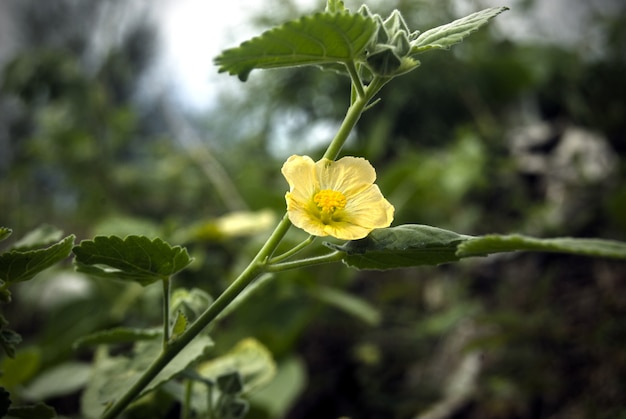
(179, 325)
(319, 39)
(402, 246)
(39, 237)
(116, 336)
(4, 233)
(443, 37)
(135, 258)
(494, 243)
(335, 6)
(18, 265)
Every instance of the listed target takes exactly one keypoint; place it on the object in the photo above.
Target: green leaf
(135, 258)
(277, 397)
(443, 37)
(415, 245)
(112, 376)
(494, 243)
(39, 237)
(335, 6)
(116, 336)
(61, 380)
(402, 246)
(36, 411)
(179, 325)
(249, 358)
(18, 265)
(4, 233)
(21, 368)
(191, 303)
(319, 39)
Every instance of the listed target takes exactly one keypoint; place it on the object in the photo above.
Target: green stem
(302, 263)
(186, 407)
(352, 117)
(256, 267)
(356, 80)
(294, 250)
(166, 312)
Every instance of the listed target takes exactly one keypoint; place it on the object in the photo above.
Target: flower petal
(300, 172)
(346, 231)
(369, 209)
(348, 175)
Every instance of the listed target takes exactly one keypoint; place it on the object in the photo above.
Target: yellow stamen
(329, 201)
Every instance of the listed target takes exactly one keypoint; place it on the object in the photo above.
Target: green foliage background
(474, 141)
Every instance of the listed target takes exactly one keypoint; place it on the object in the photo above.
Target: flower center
(329, 200)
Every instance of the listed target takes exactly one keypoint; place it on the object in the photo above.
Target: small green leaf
(18, 265)
(402, 246)
(319, 39)
(335, 6)
(494, 243)
(443, 37)
(4, 233)
(179, 325)
(135, 258)
(116, 336)
(191, 303)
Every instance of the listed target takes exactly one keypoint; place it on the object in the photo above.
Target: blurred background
(113, 120)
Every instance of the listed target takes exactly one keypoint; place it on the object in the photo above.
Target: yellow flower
(335, 198)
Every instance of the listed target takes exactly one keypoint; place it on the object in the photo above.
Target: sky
(208, 26)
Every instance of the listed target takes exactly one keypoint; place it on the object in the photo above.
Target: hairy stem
(256, 267)
(294, 250)
(352, 117)
(302, 263)
(259, 265)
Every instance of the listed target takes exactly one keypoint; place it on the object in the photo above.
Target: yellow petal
(370, 209)
(300, 172)
(348, 175)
